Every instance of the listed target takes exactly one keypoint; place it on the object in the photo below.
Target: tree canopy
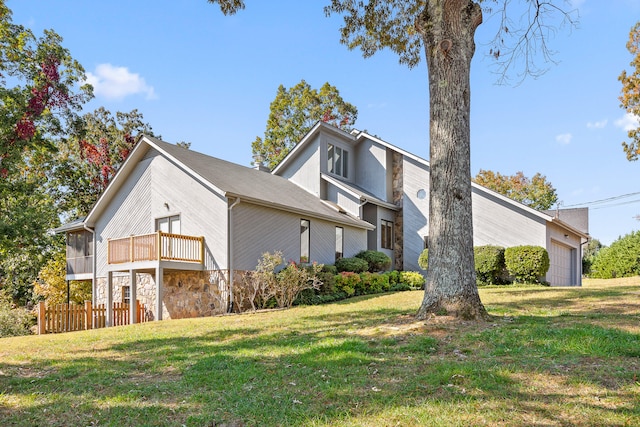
(445, 29)
(535, 192)
(630, 97)
(40, 96)
(294, 112)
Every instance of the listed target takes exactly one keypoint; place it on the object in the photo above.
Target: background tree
(293, 113)
(535, 192)
(630, 98)
(445, 29)
(39, 100)
(90, 158)
(52, 286)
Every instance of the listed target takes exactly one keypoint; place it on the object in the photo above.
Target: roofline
(361, 197)
(352, 222)
(133, 158)
(312, 132)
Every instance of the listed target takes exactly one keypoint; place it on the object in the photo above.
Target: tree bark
(448, 28)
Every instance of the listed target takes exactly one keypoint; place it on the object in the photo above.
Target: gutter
(230, 252)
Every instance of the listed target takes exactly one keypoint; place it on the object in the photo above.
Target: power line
(610, 199)
(617, 204)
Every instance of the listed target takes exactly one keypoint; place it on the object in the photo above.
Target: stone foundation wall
(185, 293)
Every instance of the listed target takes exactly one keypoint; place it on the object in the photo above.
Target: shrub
(489, 264)
(589, 256)
(347, 282)
(621, 259)
(527, 264)
(372, 283)
(423, 259)
(294, 279)
(377, 261)
(412, 278)
(14, 321)
(353, 265)
(393, 276)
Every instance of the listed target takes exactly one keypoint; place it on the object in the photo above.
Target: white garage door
(561, 269)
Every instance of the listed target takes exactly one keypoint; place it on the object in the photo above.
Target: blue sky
(201, 77)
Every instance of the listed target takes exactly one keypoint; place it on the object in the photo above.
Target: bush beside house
(526, 264)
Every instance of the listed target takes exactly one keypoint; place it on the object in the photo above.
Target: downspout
(93, 278)
(230, 252)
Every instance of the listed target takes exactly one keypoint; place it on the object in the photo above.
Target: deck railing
(158, 246)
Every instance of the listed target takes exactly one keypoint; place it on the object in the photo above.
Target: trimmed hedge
(354, 265)
(377, 261)
(527, 264)
(489, 265)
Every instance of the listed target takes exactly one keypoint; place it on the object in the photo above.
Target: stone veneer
(398, 225)
(186, 293)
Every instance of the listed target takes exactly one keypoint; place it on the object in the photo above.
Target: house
(175, 226)
(176, 229)
(389, 188)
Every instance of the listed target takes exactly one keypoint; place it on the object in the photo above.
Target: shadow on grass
(325, 370)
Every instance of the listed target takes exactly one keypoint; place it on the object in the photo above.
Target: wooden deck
(158, 246)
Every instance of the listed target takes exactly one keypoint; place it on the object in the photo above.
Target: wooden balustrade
(157, 246)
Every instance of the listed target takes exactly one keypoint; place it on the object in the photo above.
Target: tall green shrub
(527, 264)
(14, 321)
(353, 265)
(621, 259)
(489, 263)
(378, 261)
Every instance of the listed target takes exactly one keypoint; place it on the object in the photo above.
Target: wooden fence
(77, 317)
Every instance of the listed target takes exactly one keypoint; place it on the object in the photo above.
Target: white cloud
(118, 82)
(597, 125)
(564, 138)
(628, 122)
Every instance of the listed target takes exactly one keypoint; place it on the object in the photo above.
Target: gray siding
(259, 229)
(415, 211)
(372, 169)
(496, 222)
(557, 235)
(154, 182)
(304, 170)
(345, 200)
(128, 213)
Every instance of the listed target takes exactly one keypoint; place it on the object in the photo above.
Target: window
(339, 242)
(126, 294)
(305, 239)
(337, 160)
(169, 224)
(79, 252)
(386, 234)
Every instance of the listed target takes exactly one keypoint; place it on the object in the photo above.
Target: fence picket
(75, 317)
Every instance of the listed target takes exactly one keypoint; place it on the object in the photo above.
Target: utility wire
(610, 199)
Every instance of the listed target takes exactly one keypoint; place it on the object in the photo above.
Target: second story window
(337, 161)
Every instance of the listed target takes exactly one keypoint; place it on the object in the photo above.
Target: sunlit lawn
(550, 357)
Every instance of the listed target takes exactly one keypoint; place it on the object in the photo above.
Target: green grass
(549, 357)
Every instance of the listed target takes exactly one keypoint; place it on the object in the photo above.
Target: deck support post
(159, 290)
(133, 313)
(109, 319)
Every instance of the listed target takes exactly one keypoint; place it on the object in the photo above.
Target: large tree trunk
(447, 28)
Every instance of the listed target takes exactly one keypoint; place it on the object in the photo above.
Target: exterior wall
(345, 200)
(259, 229)
(496, 222)
(415, 210)
(306, 166)
(372, 169)
(145, 196)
